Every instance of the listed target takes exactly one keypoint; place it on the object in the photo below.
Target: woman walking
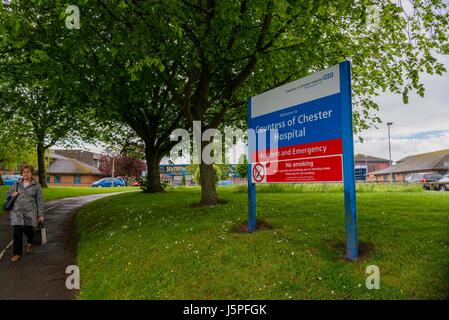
(27, 211)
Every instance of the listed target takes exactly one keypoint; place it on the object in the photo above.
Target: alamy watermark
(373, 18)
(211, 145)
(72, 20)
(373, 280)
(73, 280)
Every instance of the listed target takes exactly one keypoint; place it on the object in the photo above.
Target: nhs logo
(328, 75)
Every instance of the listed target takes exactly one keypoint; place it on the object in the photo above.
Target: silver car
(444, 183)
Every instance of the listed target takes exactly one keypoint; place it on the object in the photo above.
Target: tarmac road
(41, 274)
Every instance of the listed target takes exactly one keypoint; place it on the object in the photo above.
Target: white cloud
(430, 113)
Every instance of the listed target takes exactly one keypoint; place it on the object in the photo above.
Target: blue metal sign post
(252, 141)
(348, 163)
(312, 113)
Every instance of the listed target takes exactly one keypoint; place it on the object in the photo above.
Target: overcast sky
(420, 126)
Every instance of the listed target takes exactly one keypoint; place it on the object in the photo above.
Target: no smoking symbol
(258, 172)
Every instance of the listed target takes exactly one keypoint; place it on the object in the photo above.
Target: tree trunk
(153, 182)
(209, 195)
(42, 172)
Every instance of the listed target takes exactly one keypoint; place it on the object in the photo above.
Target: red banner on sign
(325, 169)
(307, 150)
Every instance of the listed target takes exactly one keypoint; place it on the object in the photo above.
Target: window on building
(76, 179)
(48, 179)
(57, 178)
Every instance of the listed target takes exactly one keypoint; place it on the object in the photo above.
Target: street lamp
(113, 169)
(366, 171)
(389, 124)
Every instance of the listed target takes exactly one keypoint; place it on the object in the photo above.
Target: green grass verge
(333, 187)
(157, 246)
(53, 193)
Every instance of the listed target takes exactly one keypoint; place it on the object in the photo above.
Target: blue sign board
(303, 133)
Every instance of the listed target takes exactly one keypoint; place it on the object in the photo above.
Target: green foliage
(242, 167)
(183, 180)
(239, 49)
(42, 98)
(196, 173)
(225, 170)
(166, 186)
(159, 65)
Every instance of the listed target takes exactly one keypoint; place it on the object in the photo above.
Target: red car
(136, 184)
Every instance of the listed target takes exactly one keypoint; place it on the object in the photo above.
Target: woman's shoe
(15, 258)
(29, 248)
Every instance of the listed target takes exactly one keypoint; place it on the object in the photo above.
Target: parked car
(107, 182)
(136, 184)
(443, 183)
(9, 180)
(123, 180)
(423, 177)
(430, 181)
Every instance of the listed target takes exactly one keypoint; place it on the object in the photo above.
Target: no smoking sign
(258, 172)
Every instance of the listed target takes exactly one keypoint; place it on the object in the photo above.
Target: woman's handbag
(39, 235)
(9, 204)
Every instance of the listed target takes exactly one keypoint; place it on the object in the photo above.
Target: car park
(436, 182)
(423, 177)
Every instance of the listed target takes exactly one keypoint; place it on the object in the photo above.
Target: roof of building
(420, 162)
(56, 156)
(95, 155)
(63, 165)
(359, 157)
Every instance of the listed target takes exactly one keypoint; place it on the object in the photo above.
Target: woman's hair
(27, 166)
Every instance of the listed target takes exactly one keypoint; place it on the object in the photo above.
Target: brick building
(84, 156)
(364, 164)
(65, 171)
(431, 162)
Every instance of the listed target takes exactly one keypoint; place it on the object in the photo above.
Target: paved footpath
(41, 274)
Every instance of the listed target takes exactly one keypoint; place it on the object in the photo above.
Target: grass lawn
(53, 193)
(157, 246)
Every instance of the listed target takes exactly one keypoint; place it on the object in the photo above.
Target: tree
(44, 118)
(37, 93)
(124, 165)
(242, 166)
(14, 149)
(199, 60)
(197, 174)
(224, 51)
(125, 83)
